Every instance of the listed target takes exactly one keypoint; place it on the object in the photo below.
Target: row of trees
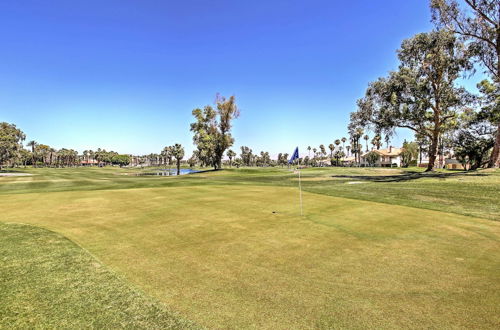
(423, 94)
(12, 152)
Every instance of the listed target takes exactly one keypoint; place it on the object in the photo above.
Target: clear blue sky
(124, 75)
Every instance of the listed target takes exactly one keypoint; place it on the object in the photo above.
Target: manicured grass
(229, 249)
(475, 193)
(46, 281)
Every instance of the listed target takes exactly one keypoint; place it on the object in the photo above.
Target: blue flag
(294, 156)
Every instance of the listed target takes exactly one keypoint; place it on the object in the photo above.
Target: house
(388, 157)
(453, 164)
(89, 162)
(348, 161)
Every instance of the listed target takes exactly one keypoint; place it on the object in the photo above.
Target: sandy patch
(15, 174)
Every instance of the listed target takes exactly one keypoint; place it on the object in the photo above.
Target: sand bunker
(15, 174)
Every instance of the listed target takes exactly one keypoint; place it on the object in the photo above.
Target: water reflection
(167, 172)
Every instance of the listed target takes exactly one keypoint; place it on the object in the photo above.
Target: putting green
(241, 256)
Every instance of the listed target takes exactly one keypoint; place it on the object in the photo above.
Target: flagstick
(300, 192)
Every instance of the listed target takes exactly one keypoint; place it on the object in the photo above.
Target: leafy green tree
(121, 160)
(246, 155)
(338, 154)
(471, 144)
(409, 153)
(490, 111)
(372, 158)
(473, 141)
(32, 144)
(422, 95)
(478, 24)
(192, 160)
(11, 139)
(238, 162)
(212, 130)
(24, 156)
(178, 153)
(230, 154)
(43, 151)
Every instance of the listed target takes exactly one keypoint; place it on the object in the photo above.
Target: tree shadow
(408, 176)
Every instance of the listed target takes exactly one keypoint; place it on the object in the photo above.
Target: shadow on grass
(11, 170)
(408, 176)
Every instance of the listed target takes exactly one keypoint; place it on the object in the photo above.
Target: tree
(246, 155)
(372, 158)
(409, 153)
(166, 155)
(43, 151)
(343, 142)
(32, 144)
(309, 149)
(377, 141)
(421, 95)
(339, 154)
(178, 153)
(472, 144)
(366, 138)
(490, 112)
(480, 27)
(356, 132)
(24, 156)
(264, 158)
(212, 130)
(473, 141)
(121, 160)
(322, 150)
(331, 146)
(230, 154)
(11, 139)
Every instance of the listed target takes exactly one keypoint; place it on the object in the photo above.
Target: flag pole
(300, 194)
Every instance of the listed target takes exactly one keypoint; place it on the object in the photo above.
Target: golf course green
(376, 248)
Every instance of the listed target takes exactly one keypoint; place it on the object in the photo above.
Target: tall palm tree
(86, 156)
(32, 144)
(177, 152)
(343, 142)
(322, 150)
(309, 149)
(331, 147)
(366, 137)
(348, 148)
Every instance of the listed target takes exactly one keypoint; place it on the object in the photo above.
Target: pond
(171, 172)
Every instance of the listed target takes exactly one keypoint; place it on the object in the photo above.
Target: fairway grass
(230, 250)
(48, 282)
